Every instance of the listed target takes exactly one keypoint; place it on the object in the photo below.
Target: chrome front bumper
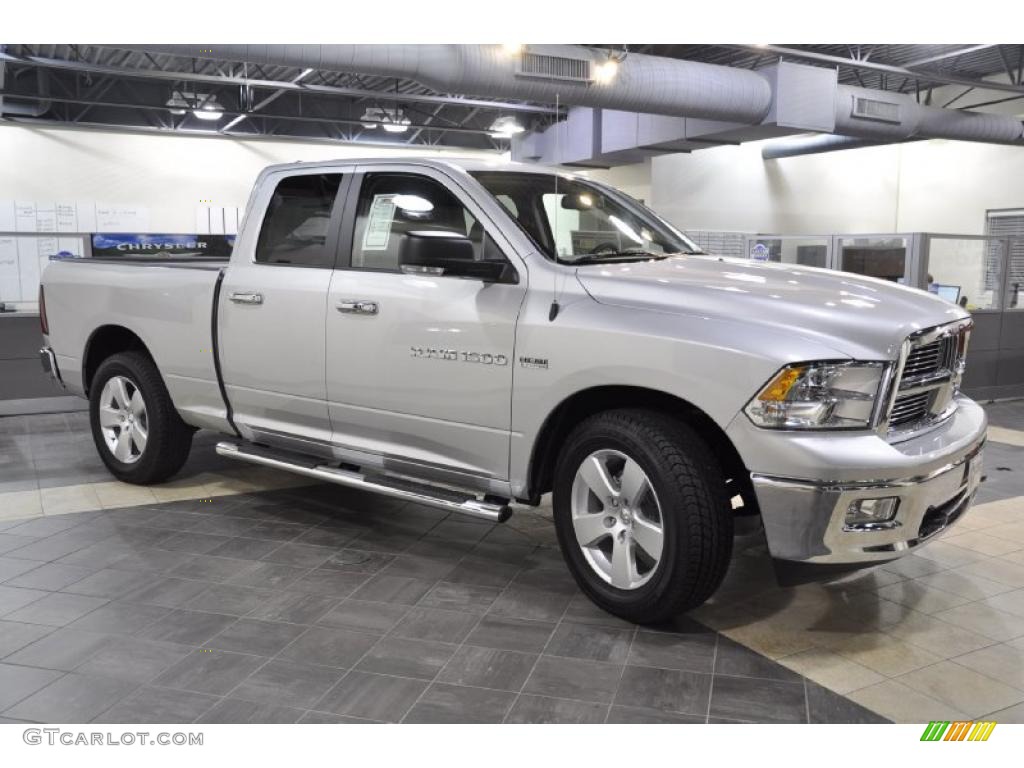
(805, 520)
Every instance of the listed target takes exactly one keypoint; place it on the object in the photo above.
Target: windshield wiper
(617, 257)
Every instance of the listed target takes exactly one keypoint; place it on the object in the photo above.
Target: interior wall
(170, 174)
(935, 186)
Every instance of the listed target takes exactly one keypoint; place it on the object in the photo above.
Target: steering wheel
(606, 247)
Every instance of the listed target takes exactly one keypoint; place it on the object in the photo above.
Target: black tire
(169, 438)
(696, 518)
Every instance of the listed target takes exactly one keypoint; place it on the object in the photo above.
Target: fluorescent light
(401, 127)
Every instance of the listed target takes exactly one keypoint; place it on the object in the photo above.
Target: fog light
(868, 513)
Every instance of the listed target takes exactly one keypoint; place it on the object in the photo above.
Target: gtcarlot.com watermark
(60, 737)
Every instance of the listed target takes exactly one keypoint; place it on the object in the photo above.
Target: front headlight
(819, 395)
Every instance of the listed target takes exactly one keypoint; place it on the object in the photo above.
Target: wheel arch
(105, 341)
(585, 403)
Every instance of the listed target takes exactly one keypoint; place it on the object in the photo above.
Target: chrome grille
(910, 408)
(927, 359)
(930, 377)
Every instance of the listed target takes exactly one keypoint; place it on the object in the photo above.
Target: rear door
(272, 309)
(420, 366)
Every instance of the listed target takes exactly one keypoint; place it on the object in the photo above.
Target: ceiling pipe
(651, 84)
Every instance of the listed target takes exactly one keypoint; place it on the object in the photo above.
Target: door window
(391, 205)
(295, 227)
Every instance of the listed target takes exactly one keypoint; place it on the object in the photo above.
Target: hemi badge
(533, 362)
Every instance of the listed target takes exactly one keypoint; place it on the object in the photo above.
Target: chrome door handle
(358, 307)
(247, 298)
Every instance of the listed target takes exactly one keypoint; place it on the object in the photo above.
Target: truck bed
(167, 303)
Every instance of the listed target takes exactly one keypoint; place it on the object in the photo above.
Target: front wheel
(641, 514)
(138, 433)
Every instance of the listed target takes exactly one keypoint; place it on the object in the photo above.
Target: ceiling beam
(921, 74)
(268, 100)
(195, 132)
(948, 55)
(322, 90)
(162, 108)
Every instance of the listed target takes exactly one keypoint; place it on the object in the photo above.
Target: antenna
(555, 307)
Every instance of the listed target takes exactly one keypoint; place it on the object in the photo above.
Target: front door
(420, 365)
(272, 309)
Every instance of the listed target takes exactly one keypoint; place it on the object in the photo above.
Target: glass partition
(22, 259)
(966, 271)
(805, 251)
(882, 256)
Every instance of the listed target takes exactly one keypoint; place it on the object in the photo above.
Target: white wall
(634, 180)
(935, 186)
(170, 174)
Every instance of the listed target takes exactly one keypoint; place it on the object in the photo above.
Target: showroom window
(1009, 224)
(297, 221)
(393, 204)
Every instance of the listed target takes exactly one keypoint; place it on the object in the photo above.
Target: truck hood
(860, 317)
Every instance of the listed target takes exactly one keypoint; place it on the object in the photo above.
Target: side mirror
(447, 253)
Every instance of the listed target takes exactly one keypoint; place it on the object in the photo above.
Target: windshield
(575, 222)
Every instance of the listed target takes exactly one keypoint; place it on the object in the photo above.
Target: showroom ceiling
(99, 87)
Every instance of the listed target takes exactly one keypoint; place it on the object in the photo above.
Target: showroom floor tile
(130, 614)
(242, 595)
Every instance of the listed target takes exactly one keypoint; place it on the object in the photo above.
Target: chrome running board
(420, 493)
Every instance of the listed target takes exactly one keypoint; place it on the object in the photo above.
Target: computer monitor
(950, 293)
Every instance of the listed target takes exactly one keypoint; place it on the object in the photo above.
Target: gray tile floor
(324, 605)
(304, 605)
(56, 449)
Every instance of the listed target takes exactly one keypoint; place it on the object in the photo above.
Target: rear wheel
(138, 433)
(641, 514)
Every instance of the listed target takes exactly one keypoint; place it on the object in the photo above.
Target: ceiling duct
(539, 73)
(814, 145)
(886, 116)
(788, 98)
(577, 69)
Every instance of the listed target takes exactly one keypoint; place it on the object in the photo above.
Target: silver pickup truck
(474, 336)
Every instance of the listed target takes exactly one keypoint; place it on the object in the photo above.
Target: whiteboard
(114, 217)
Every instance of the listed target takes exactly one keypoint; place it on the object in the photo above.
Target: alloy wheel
(617, 519)
(123, 419)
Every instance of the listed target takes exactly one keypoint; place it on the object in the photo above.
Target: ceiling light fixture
(606, 71)
(208, 112)
(178, 103)
(505, 127)
(391, 120)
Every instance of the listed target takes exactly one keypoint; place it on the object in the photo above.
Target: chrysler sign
(167, 246)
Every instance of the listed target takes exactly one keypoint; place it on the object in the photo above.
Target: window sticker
(378, 225)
